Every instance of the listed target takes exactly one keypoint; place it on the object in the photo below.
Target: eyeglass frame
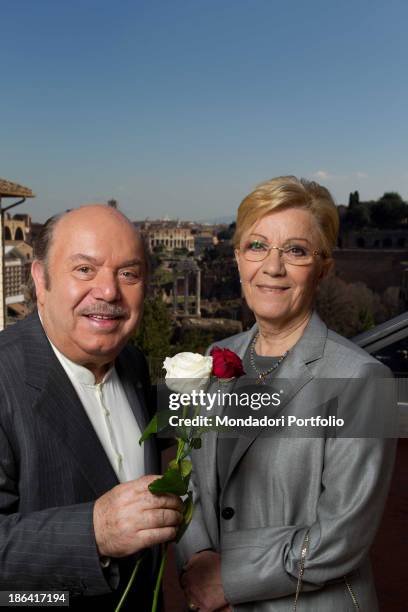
(281, 250)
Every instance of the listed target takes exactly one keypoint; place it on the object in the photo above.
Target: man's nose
(106, 287)
(273, 263)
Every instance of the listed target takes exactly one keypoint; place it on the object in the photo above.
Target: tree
(155, 331)
(195, 341)
(228, 233)
(161, 276)
(335, 306)
(354, 199)
(181, 251)
(347, 308)
(392, 302)
(391, 196)
(389, 211)
(358, 216)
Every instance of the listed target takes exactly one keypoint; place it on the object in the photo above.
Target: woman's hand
(201, 582)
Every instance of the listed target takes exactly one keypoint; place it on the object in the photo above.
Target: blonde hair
(290, 192)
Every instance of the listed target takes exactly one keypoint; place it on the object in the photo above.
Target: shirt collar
(77, 372)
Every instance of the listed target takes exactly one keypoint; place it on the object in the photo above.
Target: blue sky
(180, 108)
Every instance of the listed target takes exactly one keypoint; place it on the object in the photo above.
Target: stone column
(186, 293)
(198, 293)
(175, 305)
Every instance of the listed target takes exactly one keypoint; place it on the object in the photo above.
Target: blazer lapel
(291, 376)
(56, 401)
(239, 346)
(133, 387)
(288, 388)
(136, 393)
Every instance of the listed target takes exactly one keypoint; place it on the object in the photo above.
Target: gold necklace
(263, 374)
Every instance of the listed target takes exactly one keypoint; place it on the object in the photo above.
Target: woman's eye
(298, 251)
(256, 245)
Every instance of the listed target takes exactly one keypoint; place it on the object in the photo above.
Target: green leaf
(195, 443)
(184, 467)
(182, 433)
(187, 516)
(159, 422)
(171, 482)
(150, 430)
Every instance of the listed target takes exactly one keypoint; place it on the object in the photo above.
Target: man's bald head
(67, 221)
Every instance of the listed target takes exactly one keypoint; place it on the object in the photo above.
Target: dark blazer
(53, 468)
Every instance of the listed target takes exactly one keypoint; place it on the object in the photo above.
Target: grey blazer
(278, 489)
(52, 468)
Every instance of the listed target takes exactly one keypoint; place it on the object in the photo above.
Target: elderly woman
(286, 523)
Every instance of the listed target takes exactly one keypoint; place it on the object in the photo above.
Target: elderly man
(75, 510)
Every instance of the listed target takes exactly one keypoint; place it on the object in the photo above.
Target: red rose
(226, 363)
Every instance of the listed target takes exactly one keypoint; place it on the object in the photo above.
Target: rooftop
(14, 190)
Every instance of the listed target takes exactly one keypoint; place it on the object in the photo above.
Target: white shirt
(112, 418)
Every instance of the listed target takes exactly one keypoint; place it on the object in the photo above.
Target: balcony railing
(384, 341)
(384, 335)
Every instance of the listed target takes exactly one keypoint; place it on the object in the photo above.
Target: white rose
(186, 372)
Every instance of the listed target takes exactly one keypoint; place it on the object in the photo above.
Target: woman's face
(276, 291)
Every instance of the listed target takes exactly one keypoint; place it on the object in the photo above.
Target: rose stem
(129, 584)
(159, 578)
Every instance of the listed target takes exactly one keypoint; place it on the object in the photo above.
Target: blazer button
(227, 513)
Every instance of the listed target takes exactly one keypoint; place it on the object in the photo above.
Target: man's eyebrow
(131, 262)
(83, 257)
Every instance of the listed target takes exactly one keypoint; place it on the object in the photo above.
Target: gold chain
(304, 551)
(352, 595)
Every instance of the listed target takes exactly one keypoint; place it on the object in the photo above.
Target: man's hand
(129, 518)
(202, 584)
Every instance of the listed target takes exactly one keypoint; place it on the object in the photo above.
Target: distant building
(17, 263)
(371, 238)
(167, 235)
(204, 239)
(17, 227)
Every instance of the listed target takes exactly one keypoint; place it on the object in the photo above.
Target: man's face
(94, 299)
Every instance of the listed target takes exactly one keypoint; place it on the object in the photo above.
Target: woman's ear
(236, 254)
(327, 267)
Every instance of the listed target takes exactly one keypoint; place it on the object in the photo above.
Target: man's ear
(39, 277)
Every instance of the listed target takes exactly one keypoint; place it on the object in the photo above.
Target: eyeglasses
(296, 254)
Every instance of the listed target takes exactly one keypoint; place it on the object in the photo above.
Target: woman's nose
(273, 263)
